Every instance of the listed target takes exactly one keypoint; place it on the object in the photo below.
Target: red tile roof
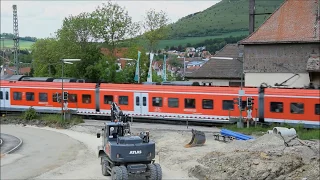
(119, 52)
(293, 21)
(23, 70)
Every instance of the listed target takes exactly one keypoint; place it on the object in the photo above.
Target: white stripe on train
(167, 115)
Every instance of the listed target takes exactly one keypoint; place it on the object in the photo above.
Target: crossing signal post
(250, 102)
(65, 96)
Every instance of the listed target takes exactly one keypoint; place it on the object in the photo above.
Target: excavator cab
(198, 139)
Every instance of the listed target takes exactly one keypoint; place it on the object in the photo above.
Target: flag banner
(164, 68)
(149, 79)
(137, 75)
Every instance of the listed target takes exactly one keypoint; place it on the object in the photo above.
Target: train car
(19, 96)
(195, 103)
(292, 106)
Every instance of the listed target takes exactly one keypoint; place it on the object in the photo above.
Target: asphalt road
(41, 151)
(9, 142)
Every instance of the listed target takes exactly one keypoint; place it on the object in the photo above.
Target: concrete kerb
(16, 147)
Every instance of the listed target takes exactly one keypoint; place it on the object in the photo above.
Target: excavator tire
(198, 139)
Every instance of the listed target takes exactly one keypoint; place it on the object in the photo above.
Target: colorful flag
(149, 79)
(164, 68)
(137, 75)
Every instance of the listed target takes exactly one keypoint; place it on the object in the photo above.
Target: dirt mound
(267, 157)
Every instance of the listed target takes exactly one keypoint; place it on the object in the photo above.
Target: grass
(225, 16)
(195, 40)
(305, 134)
(7, 43)
(56, 119)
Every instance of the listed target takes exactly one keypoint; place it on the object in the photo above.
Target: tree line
(11, 36)
(82, 37)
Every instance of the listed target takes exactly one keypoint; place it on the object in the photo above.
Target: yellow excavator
(198, 139)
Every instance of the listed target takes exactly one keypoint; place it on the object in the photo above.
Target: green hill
(224, 19)
(7, 43)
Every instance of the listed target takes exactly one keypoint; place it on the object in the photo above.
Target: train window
(17, 95)
(55, 97)
(157, 101)
(137, 101)
(7, 95)
(30, 96)
(108, 99)
(317, 109)
(189, 103)
(43, 97)
(207, 104)
(123, 100)
(227, 105)
(1, 95)
(72, 98)
(276, 107)
(144, 99)
(297, 108)
(86, 98)
(173, 102)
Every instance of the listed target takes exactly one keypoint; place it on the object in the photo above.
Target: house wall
(255, 79)
(278, 58)
(274, 63)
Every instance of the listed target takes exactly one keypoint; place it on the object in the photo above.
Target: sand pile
(267, 157)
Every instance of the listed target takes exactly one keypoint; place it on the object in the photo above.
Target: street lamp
(67, 61)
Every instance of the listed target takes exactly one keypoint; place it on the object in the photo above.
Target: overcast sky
(42, 18)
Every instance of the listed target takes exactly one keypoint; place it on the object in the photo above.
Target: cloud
(42, 18)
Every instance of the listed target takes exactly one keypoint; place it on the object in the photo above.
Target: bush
(30, 114)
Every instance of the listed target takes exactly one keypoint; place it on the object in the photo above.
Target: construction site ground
(264, 157)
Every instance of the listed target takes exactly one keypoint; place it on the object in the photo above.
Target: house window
(43, 97)
(72, 98)
(30, 96)
(207, 104)
(1, 95)
(276, 107)
(123, 100)
(86, 98)
(317, 109)
(173, 102)
(157, 101)
(297, 108)
(108, 99)
(189, 103)
(227, 105)
(137, 101)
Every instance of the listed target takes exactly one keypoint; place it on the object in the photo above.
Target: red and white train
(197, 103)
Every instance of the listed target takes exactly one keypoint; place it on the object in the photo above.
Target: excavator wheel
(198, 139)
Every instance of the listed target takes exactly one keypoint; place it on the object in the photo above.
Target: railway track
(135, 119)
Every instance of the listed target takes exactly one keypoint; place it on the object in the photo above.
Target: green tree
(156, 29)
(44, 53)
(113, 24)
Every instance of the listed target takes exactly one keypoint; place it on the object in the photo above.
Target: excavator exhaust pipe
(198, 139)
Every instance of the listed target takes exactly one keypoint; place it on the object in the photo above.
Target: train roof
(162, 88)
(38, 79)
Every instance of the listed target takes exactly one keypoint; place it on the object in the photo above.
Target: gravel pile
(266, 157)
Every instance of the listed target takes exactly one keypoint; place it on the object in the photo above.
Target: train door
(141, 103)
(4, 99)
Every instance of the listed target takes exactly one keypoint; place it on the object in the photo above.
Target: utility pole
(16, 39)
(252, 14)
